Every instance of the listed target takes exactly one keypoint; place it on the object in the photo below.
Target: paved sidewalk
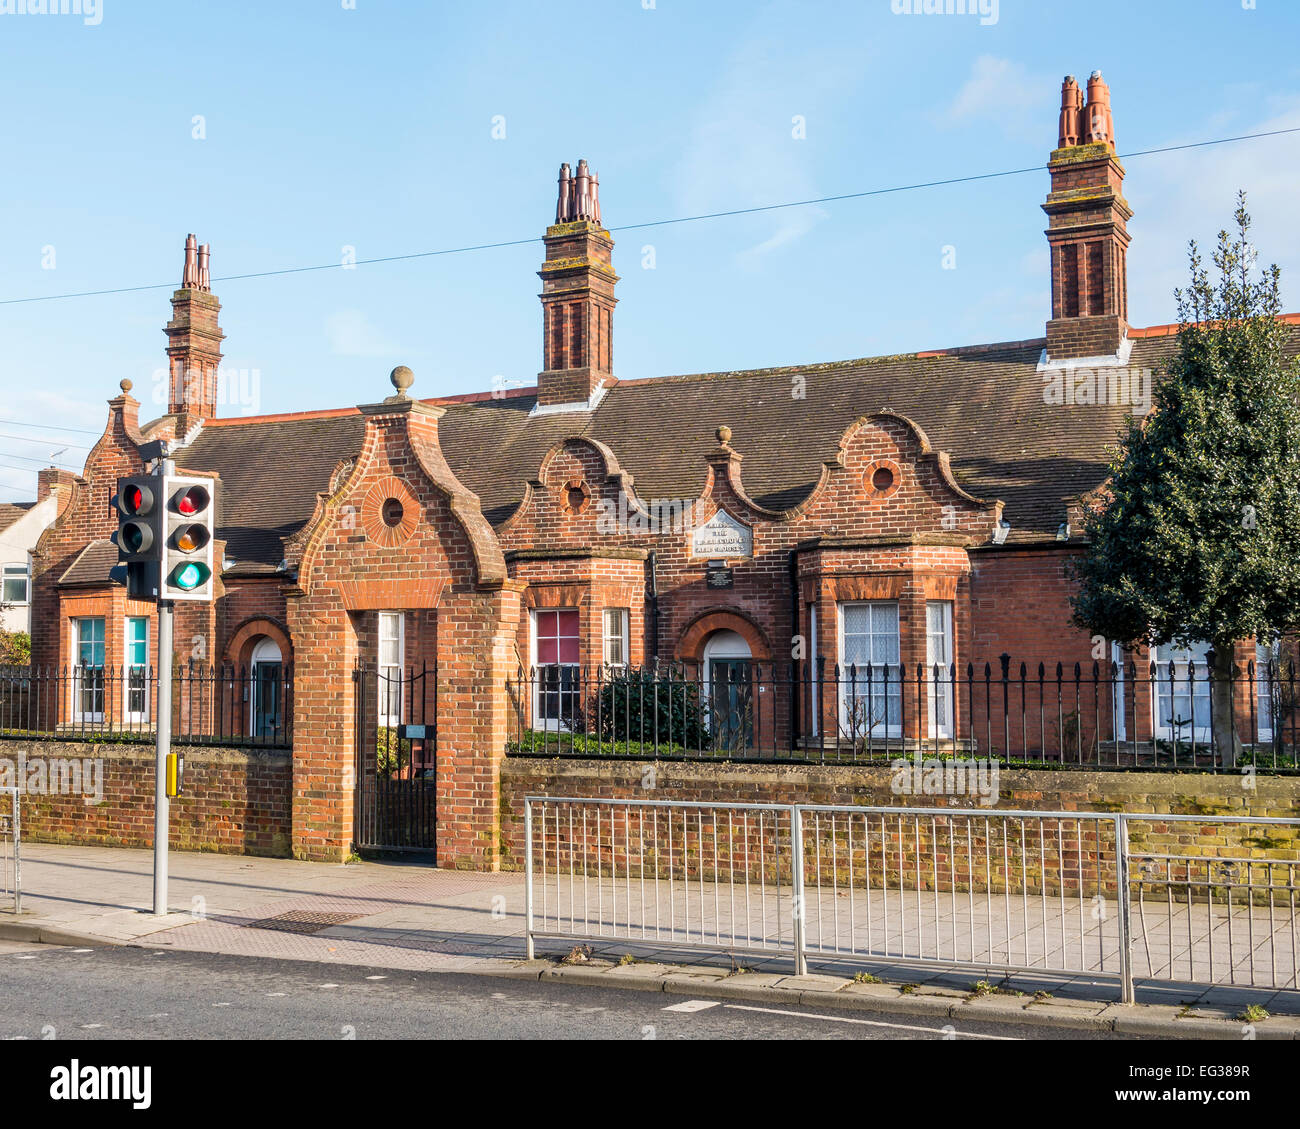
(388, 914)
(410, 916)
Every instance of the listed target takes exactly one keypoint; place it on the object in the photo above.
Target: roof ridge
(283, 417)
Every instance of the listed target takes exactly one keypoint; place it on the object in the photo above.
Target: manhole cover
(302, 921)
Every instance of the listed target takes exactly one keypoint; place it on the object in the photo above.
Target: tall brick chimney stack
(1087, 229)
(577, 298)
(194, 339)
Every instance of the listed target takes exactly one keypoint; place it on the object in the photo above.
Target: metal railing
(225, 705)
(1057, 893)
(1104, 716)
(11, 873)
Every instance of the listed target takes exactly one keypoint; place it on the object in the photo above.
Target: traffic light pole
(162, 805)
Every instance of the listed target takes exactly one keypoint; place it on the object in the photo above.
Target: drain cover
(302, 921)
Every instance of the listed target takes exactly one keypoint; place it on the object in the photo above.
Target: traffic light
(139, 534)
(188, 515)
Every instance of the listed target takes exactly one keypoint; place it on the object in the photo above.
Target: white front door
(729, 693)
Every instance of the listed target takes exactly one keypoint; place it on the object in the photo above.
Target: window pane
(14, 590)
(615, 638)
(857, 619)
(1184, 695)
(90, 642)
(872, 702)
(137, 642)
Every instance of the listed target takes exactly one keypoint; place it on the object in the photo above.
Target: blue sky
(372, 126)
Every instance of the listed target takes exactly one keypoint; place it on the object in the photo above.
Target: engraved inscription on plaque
(722, 536)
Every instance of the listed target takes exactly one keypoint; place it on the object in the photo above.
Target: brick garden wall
(1077, 859)
(236, 801)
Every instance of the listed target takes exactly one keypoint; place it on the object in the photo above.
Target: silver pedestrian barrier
(1059, 893)
(11, 886)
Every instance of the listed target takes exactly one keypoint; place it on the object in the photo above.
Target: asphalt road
(133, 993)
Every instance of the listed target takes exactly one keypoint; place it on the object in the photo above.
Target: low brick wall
(236, 801)
(1081, 864)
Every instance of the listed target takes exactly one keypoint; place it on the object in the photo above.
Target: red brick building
(890, 511)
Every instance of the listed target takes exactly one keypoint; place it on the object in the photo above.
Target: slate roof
(92, 566)
(10, 512)
(984, 405)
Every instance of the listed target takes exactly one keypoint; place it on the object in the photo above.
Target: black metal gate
(396, 758)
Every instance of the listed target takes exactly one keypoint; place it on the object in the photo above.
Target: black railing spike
(1042, 672)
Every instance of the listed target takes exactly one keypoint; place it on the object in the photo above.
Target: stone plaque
(723, 537)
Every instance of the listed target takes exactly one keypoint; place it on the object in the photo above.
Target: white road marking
(26, 956)
(83, 950)
(91, 1026)
(323, 986)
(376, 977)
(220, 1005)
(274, 995)
(691, 1006)
(869, 1023)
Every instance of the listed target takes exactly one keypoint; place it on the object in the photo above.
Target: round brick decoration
(882, 480)
(390, 512)
(575, 495)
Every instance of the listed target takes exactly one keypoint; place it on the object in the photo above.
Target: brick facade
(329, 520)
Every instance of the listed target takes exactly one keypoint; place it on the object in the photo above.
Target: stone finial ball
(724, 434)
(402, 378)
(126, 386)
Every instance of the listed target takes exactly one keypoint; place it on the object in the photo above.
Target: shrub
(635, 705)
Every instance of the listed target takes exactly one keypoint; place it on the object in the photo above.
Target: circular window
(392, 513)
(881, 480)
(575, 494)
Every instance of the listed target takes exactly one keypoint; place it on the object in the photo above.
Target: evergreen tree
(1197, 537)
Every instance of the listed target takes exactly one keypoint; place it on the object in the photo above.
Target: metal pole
(16, 823)
(161, 803)
(800, 903)
(529, 952)
(1126, 995)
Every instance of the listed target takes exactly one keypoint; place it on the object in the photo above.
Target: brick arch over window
(690, 647)
(239, 650)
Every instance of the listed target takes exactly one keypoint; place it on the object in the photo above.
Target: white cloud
(742, 151)
(351, 333)
(1001, 93)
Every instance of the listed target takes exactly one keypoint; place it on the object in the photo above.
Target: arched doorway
(267, 679)
(730, 696)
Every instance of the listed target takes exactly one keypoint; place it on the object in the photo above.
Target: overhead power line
(39, 462)
(34, 439)
(49, 427)
(866, 193)
(24, 469)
